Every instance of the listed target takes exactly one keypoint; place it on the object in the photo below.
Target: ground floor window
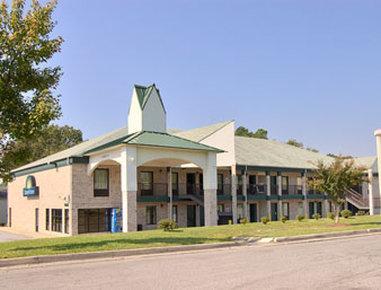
(94, 220)
(47, 219)
(315, 207)
(66, 221)
(174, 213)
(286, 209)
(151, 215)
(220, 208)
(57, 220)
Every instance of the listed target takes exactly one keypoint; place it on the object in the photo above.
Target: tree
(50, 140)
(335, 179)
(244, 132)
(27, 83)
(294, 142)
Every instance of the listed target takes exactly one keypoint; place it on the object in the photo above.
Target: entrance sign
(30, 187)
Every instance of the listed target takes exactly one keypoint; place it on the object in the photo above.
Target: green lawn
(186, 236)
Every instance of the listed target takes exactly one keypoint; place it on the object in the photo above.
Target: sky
(309, 70)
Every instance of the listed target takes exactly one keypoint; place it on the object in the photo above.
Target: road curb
(325, 236)
(112, 254)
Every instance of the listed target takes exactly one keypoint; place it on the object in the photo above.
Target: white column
(244, 193)
(304, 191)
(377, 201)
(129, 189)
(210, 190)
(279, 183)
(234, 193)
(370, 192)
(268, 185)
(170, 194)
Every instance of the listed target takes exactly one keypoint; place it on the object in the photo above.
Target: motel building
(131, 178)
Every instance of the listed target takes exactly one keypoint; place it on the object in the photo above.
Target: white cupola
(147, 112)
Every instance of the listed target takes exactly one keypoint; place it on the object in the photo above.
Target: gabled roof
(119, 137)
(156, 139)
(199, 134)
(143, 94)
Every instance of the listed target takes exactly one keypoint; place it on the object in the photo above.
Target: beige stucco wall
(223, 139)
(54, 185)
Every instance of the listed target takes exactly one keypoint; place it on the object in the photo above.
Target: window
(146, 182)
(174, 213)
(286, 209)
(94, 220)
(220, 208)
(284, 182)
(220, 184)
(101, 182)
(151, 215)
(47, 219)
(57, 220)
(252, 179)
(175, 183)
(66, 221)
(36, 219)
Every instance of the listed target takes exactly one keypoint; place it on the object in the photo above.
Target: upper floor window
(101, 182)
(220, 184)
(175, 183)
(146, 182)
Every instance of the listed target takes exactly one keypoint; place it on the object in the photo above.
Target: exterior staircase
(357, 199)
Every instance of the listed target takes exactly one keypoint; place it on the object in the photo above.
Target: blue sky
(309, 70)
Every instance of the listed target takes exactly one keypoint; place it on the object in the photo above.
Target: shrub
(167, 225)
(300, 217)
(265, 220)
(361, 213)
(284, 219)
(243, 221)
(230, 222)
(346, 213)
(331, 215)
(316, 216)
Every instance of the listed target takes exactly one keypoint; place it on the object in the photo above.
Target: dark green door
(253, 213)
(274, 211)
(311, 209)
(191, 215)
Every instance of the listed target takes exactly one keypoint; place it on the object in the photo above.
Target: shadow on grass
(117, 244)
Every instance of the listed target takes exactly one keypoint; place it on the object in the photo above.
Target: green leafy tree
(27, 83)
(50, 140)
(294, 142)
(244, 132)
(335, 179)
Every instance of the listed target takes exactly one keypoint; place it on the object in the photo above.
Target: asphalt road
(336, 264)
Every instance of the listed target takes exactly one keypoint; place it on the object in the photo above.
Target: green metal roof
(166, 140)
(156, 139)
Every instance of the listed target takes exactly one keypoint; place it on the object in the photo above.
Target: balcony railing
(292, 190)
(152, 189)
(313, 191)
(255, 189)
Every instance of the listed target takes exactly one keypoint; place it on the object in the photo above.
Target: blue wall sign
(30, 187)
